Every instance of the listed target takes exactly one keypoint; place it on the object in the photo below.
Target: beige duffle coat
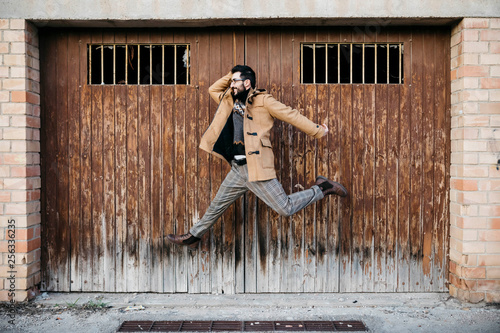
(261, 110)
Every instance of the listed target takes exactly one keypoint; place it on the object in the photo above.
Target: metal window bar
(350, 64)
(400, 58)
(314, 63)
(114, 64)
(188, 64)
(363, 64)
(326, 64)
(377, 54)
(338, 63)
(102, 64)
(89, 52)
(114, 67)
(302, 64)
(138, 64)
(387, 63)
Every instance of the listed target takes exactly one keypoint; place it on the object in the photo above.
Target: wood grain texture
(121, 169)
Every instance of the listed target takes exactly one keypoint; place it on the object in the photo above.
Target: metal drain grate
(241, 326)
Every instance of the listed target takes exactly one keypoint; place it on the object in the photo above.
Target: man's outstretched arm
(294, 117)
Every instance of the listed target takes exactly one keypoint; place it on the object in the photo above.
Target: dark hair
(246, 73)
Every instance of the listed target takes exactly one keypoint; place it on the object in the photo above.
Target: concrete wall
(220, 12)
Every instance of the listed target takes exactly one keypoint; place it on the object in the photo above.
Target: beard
(241, 95)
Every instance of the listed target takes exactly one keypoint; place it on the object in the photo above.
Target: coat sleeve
(220, 86)
(294, 117)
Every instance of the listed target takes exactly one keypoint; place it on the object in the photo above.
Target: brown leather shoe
(186, 239)
(330, 187)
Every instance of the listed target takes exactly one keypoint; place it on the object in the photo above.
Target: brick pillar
(19, 160)
(475, 148)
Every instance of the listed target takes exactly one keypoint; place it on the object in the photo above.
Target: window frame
(351, 44)
(138, 62)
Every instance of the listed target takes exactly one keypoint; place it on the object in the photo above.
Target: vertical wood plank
(380, 241)
(310, 248)
(345, 178)
(322, 161)
(441, 160)
(334, 172)
(48, 166)
(356, 274)
(132, 246)
(144, 190)
(392, 186)
(62, 232)
(168, 186)
(169, 250)
(108, 220)
(192, 144)
(381, 192)
(86, 176)
(203, 167)
(274, 256)
(404, 176)
(109, 167)
(358, 178)
(369, 188)
(180, 185)
(428, 117)
(156, 182)
(120, 201)
(180, 190)
(74, 82)
(298, 173)
(132, 234)
(417, 58)
(97, 181)
(121, 186)
(368, 253)
(217, 70)
(287, 73)
(345, 143)
(144, 241)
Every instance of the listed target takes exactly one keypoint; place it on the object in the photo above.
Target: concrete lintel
(326, 22)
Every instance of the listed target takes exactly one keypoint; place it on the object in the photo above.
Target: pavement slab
(380, 312)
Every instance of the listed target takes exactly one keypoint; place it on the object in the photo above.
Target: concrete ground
(92, 312)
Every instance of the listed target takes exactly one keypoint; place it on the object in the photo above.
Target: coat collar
(253, 93)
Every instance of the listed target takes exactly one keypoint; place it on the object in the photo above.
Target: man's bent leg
(272, 193)
(231, 189)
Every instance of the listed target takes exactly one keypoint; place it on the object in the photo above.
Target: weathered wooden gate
(121, 169)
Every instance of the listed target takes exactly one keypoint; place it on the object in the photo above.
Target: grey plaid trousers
(270, 191)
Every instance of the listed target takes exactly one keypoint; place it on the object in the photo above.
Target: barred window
(360, 63)
(138, 63)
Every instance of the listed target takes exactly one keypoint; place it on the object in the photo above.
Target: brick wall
(19, 160)
(475, 146)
